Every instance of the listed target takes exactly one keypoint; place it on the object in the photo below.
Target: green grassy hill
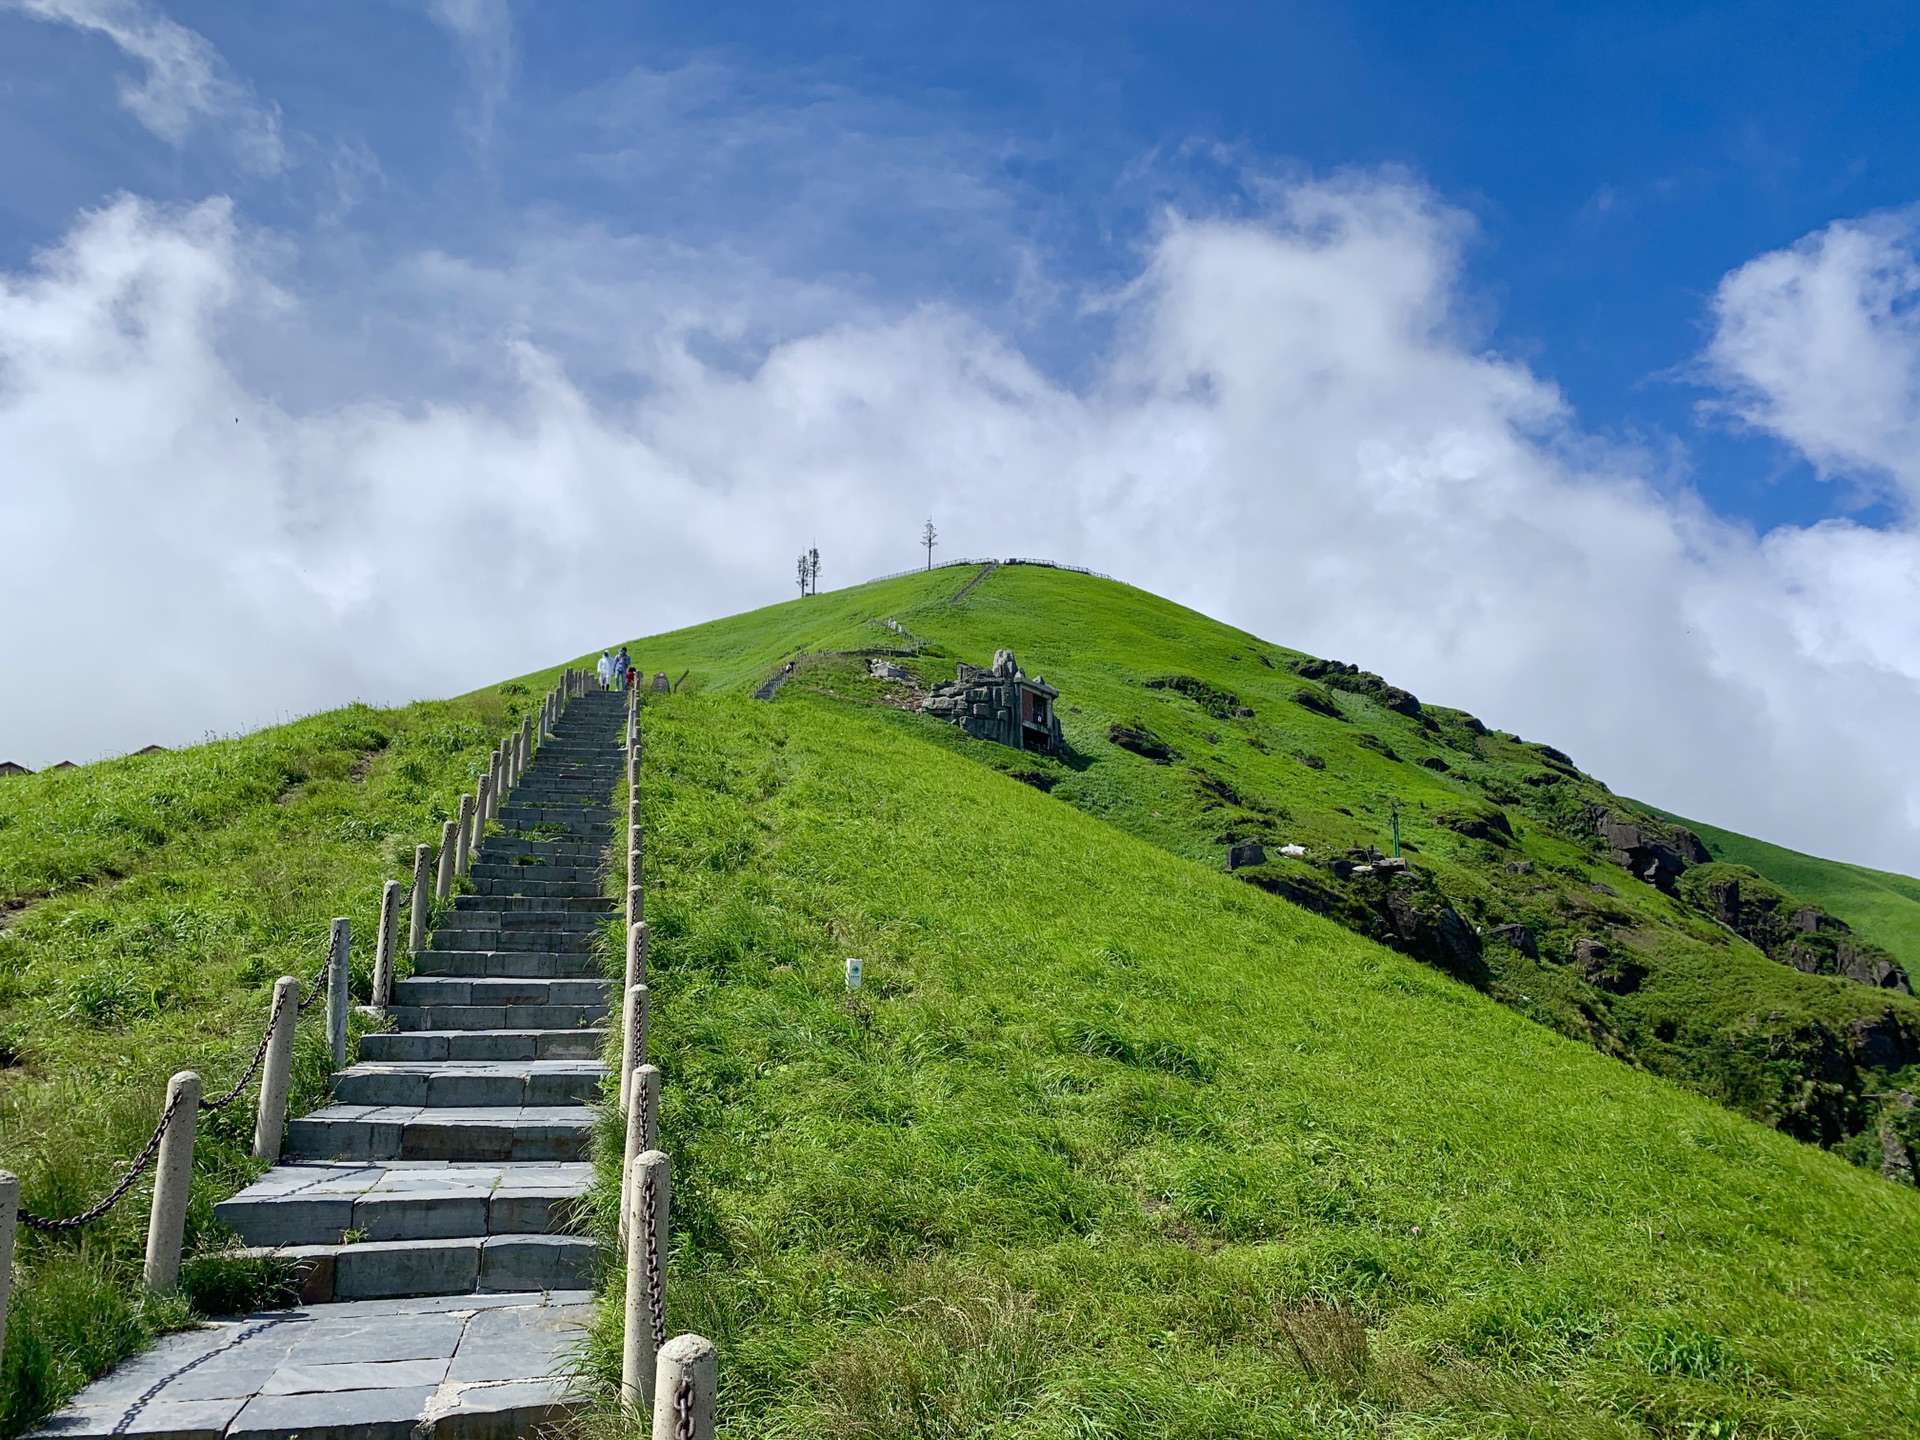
(1112, 1144)
(1232, 739)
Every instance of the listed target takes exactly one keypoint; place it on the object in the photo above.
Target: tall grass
(1112, 1145)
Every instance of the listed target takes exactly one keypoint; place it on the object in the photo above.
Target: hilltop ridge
(1764, 985)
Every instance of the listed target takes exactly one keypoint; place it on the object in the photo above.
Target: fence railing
(169, 1150)
(678, 1378)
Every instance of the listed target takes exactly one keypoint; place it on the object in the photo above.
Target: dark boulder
(1316, 702)
(1476, 822)
(1239, 857)
(1641, 850)
(1518, 937)
(1429, 929)
(1616, 974)
(1142, 742)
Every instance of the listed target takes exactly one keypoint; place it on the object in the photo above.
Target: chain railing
(115, 1195)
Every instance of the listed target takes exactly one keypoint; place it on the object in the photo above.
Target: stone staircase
(440, 1184)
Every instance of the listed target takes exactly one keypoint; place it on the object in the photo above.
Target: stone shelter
(1002, 705)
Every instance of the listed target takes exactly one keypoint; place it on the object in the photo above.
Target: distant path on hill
(967, 589)
(771, 686)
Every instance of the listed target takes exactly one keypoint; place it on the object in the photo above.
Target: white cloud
(1819, 344)
(1290, 431)
(186, 82)
(483, 29)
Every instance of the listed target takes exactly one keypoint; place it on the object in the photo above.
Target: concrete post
(276, 1075)
(499, 780)
(172, 1177)
(338, 999)
(482, 805)
(449, 845)
(386, 943)
(636, 902)
(652, 1172)
(687, 1373)
(643, 1130)
(463, 835)
(422, 899)
(9, 1219)
(633, 1038)
(636, 955)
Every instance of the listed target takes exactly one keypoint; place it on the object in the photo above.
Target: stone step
(555, 847)
(508, 964)
(504, 864)
(466, 1367)
(485, 905)
(548, 921)
(379, 1270)
(448, 1083)
(496, 1017)
(320, 1202)
(531, 883)
(553, 942)
(517, 814)
(509, 868)
(411, 1132)
(522, 991)
(404, 1047)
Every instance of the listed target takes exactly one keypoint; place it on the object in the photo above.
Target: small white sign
(853, 973)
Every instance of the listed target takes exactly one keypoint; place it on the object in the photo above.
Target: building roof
(7, 767)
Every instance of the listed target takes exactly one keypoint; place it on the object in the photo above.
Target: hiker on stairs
(605, 670)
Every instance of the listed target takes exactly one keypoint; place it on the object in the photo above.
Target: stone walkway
(430, 1206)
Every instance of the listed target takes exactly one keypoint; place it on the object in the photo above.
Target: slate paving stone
(354, 1371)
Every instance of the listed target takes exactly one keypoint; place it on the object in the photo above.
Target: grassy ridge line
(1113, 1145)
(157, 897)
(1879, 904)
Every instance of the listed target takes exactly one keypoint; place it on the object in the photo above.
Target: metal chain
(683, 1410)
(253, 1069)
(656, 1299)
(145, 1158)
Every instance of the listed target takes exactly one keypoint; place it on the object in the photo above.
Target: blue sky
(1560, 362)
(1617, 159)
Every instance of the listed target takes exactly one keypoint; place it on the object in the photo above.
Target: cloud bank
(1291, 430)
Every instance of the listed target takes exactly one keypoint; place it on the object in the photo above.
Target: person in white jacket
(605, 670)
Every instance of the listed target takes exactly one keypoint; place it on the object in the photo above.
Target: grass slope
(1882, 906)
(146, 906)
(1500, 831)
(1114, 1145)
